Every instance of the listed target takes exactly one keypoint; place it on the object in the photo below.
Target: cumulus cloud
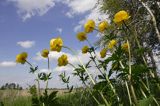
(29, 8)
(59, 30)
(78, 6)
(95, 14)
(7, 64)
(26, 44)
(56, 55)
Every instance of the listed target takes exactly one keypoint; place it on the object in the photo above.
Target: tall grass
(22, 98)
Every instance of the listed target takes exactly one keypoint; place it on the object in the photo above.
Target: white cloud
(7, 64)
(29, 8)
(26, 44)
(95, 14)
(59, 30)
(56, 55)
(78, 6)
(45, 70)
(77, 28)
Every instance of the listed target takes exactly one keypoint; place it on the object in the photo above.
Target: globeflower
(81, 36)
(45, 53)
(103, 53)
(56, 44)
(112, 43)
(121, 16)
(21, 58)
(102, 26)
(85, 49)
(89, 26)
(125, 47)
(63, 60)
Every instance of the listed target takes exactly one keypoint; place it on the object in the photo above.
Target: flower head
(102, 26)
(21, 58)
(125, 47)
(45, 53)
(121, 16)
(103, 53)
(89, 26)
(56, 44)
(63, 60)
(85, 49)
(112, 43)
(81, 36)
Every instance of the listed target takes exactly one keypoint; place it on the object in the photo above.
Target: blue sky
(28, 25)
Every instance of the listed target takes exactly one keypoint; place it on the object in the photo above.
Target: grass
(23, 98)
(15, 98)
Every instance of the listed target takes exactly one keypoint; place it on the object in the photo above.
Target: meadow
(122, 67)
(23, 98)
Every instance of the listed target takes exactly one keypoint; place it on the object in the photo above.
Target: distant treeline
(11, 86)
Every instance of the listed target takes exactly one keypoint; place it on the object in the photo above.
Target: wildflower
(89, 26)
(63, 60)
(125, 47)
(81, 36)
(85, 49)
(103, 53)
(112, 43)
(56, 44)
(44, 53)
(21, 58)
(102, 26)
(121, 16)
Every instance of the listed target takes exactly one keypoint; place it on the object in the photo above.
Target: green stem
(37, 79)
(149, 92)
(129, 96)
(81, 64)
(105, 101)
(143, 93)
(48, 70)
(87, 73)
(72, 65)
(91, 94)
(130, 72)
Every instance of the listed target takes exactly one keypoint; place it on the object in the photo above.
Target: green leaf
(52, 95)
(100, 85)
(101, 77)
(146, 101)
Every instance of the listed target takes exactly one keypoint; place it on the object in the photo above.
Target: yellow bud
(121, 16)
(103, 53)
(125, 47)
(56, 44)
(63, 60)
(102, 26)
(112, 43)
(44, 53)
(89, 26)
(21, 58)
(85, 49)
(81, 36)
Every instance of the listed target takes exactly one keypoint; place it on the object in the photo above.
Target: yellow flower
(85, 49)
(44, 53)
(56, 44)
(63, 60)
(103, 53)
(102, 26)
(21, 58)
(112, 43)
(121, 16)
(125, 47)
(89, 26)
(81, 36)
